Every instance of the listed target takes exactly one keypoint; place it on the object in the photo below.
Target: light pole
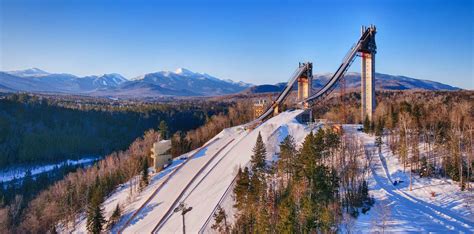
(182, 207)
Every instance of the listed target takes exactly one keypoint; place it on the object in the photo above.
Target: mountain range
(181, 82)
(352, 81)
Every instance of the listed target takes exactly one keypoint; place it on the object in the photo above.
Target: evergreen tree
(163, 130)
(366, 124)
(379, 142)
(115, 217)
(287, 154)
(95, 217)
(262, 224)
(220, 221)
(424, 169)
(241, 188)
(28, 185)
(287, 222)
(144, 179)
(309, 156)
(259, 155)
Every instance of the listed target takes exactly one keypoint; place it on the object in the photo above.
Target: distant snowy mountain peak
(109, 80)
(181, 82)
(352, 81)
(35, 72)
(184, 72)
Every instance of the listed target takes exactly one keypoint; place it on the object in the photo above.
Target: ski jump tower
(305, 82)
(365, 48)
(367, 75)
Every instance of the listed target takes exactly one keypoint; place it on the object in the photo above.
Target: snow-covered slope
(36, 72)
(203, 178)
(36, 80)
(181, 82)
(200, 181)
(382, 82)
(417, 211)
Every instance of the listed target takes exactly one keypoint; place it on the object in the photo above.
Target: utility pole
(182, 207)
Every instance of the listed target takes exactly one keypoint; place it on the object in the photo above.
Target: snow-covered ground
(205, 179)
(10, 174)
(397, 209)
(200, 182)
(205, 195)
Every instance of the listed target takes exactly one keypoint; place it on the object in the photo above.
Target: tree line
(430, 131)
(183, 142)
(38, 130)
(80, 191)
(84, 190)
(306, 190)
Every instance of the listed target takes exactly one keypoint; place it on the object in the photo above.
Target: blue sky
(254, 41)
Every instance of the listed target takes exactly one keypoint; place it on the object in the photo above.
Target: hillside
(204, 178)
(382, 81)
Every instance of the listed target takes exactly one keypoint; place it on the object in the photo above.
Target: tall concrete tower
(368, 51)
(305, 82)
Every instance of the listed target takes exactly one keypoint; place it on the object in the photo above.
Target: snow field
(411, 211)
(165, 198)
(203, 181)
(206, 196)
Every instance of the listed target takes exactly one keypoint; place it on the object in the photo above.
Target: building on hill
(161, 154)
(259, 107)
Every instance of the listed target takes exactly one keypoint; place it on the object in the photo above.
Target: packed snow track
(201, 181)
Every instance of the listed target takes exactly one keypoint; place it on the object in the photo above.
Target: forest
(318, 186)
(36, 129)
(431, 132)
(310, 188)
(83, 190)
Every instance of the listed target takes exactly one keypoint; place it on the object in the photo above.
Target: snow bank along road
(202, 181)
(411, 211)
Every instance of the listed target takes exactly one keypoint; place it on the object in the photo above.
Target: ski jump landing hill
(204, 179)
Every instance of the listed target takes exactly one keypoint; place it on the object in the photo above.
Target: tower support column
(368, 85)
(305, 83)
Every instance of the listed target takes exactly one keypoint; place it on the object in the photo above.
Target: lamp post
(182, 207)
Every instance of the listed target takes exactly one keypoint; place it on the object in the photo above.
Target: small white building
(161, 154)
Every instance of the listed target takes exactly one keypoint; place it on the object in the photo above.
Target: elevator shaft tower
(367, 74)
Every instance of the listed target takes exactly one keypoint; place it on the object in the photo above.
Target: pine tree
(379, 142)
(378, 134)
(308, 157)
(241, 189)
(115, 217)
(163, 130)
(262, 216)
(220, 221)
(259, 155)
(145, 179)
(287, 154)
(366, 124)
(95, 217)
